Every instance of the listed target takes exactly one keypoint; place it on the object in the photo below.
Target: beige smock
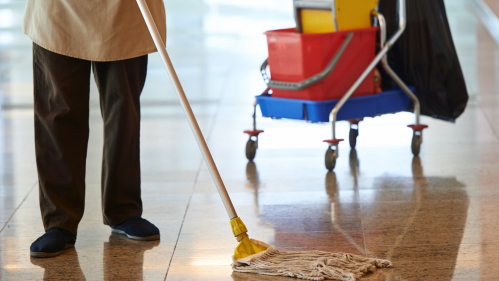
(96, 30)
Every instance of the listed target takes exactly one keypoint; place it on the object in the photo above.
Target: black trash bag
(425, 57)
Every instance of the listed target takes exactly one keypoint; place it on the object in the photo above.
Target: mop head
(308, 265)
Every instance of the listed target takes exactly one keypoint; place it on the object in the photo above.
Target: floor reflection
(253, 182)
(331, 225)
(415, 222)
(124, 258)
(419, 219)
(354, 163)
(64, 267)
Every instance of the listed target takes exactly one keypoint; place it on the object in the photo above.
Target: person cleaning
(71, 39)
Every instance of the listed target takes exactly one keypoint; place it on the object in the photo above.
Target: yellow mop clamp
(245, 248)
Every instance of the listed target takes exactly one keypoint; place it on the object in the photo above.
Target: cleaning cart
(330, 76)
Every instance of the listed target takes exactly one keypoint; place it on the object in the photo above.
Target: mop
(253, 256)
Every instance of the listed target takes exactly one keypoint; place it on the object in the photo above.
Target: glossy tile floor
(436, 217)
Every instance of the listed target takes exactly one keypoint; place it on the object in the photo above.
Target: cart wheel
(251, 147)
(330, 159)
(417, 139)
(354, 133)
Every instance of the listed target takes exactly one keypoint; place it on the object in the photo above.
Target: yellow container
(350, 14)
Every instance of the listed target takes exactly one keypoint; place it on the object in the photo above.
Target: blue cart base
(319, 111)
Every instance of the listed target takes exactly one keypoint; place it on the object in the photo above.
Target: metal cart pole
(377, 59)
(332, 152)
(388, 69)
(417, 137)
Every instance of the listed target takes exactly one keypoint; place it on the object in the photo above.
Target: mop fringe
(308, 265)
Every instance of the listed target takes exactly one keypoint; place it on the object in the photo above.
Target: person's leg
(120, 84)
(61, 93)
(61, 104)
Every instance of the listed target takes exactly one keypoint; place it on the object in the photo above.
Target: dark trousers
(61, 101)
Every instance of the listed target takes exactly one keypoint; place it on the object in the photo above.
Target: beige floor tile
(237, 276)
(204, 256)
(352, 248)
(318, 239)
(211, 273)
(437, 270)
(415, 215)
(24, 274)
(278, 198)
(480, 252)
(22, 229)
(419, 253)
(5, 214)
(24, 214)
(109, 259)
(447, 236)
(167, 188)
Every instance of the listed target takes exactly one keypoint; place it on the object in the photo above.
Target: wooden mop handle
(146, 14)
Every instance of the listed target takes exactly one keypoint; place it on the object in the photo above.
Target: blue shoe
(137, 228)
(52, 243)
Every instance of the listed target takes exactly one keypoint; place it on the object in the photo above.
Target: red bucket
(294, 57)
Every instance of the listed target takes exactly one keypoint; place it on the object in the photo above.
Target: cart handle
(295, 86)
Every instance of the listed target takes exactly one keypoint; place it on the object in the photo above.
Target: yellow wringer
(320, 16)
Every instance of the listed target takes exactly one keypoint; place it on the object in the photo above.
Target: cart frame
(381, 56)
